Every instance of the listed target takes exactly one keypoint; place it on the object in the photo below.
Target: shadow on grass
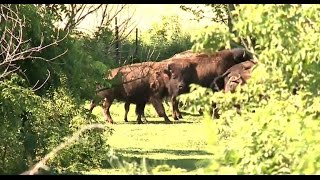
(167, 151)
(158, 121)
(172, 122)
(188, 162)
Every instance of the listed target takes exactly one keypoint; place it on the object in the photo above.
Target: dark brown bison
(174, 84)
(187, 68)
(138, 84)
(230, 80)
(210, 66)
(202, 68)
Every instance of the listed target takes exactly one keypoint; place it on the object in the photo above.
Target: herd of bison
(151, 82)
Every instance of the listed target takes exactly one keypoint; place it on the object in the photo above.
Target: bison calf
(236, 75)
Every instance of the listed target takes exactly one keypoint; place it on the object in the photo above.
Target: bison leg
(139, 112)
(106, 109)
(126, 108)
(157, 104)
(142, 115)
(176, 114)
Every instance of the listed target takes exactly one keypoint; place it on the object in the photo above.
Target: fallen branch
(33, 88)
(68, 142)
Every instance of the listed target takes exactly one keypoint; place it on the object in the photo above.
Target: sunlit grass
(181, 145)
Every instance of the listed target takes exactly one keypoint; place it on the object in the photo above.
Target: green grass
(177, 148)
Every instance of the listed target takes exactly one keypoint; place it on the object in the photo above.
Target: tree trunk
(117, 42)
(231, 7)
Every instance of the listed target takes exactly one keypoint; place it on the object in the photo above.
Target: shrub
(277, 129)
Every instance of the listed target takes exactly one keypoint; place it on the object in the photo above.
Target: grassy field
(159, 148)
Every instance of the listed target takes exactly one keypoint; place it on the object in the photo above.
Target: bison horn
(244, 53)
(169, 66)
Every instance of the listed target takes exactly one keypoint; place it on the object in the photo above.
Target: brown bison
(187, 68)
(203, 68)
(138, 84)
(174, 84)
(234, 76)
(230, 80)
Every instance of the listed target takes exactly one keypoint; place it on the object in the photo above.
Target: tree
(277, 129)
(221, 14)
(14, 47)
(167, 38)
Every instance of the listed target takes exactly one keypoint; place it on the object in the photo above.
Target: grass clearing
(182, 146)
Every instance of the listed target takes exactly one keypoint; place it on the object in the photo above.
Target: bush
(33, 126)
(277, 129)
(34, 122)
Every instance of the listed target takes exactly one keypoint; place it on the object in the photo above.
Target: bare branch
(84, 16)
(104, 12)
(44, 59)
(42, 83)
(14, 48)
(116, 13)
(77, 15)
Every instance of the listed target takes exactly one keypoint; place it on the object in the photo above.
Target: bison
(229, 81)
(234, 76)
(202, 68)
(198, 68)
(138, 84)
(174, 84)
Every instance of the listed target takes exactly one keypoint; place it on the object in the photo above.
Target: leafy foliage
(33, 126)
(160, 42)
(14, 101)
(277, 129)
(34, 122)
(216, 12)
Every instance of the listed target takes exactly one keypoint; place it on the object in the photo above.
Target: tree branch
(14, 48)
(53, 153)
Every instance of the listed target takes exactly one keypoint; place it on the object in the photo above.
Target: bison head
(232, 81)
(238, 74)
(181, 74)
(241, 55)
(158, 82)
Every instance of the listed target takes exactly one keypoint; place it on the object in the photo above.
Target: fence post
(117, 42)
(136, 50)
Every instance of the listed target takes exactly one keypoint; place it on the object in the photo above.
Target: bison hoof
(126, 120)
(176, 118)
(140, 122)
(109, 121)
(180, 116)
(168, 122)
